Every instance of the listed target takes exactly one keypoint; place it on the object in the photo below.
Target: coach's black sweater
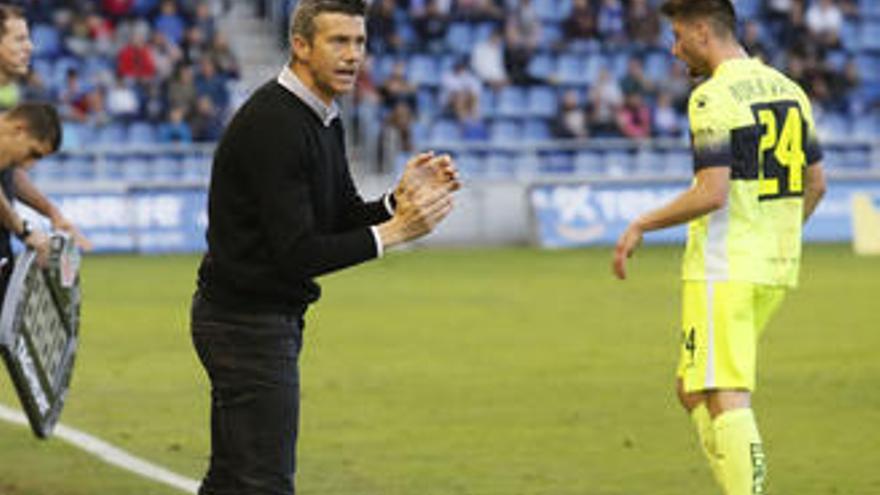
(282, 207)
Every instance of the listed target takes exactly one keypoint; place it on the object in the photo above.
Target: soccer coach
(283, 209)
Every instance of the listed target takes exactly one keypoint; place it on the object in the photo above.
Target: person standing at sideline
(758, 178)
(15, 57)
(282, 210)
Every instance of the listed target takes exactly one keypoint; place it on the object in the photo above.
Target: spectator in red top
(117, 8)
(135, 60)
(634, 117)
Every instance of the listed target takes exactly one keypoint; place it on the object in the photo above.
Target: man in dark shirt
(282, 210)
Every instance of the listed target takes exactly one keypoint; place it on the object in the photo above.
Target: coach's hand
(626, 246)
(39, 242)
(426, 169)
(418, 211)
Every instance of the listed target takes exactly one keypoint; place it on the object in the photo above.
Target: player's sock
(706, 433)
(743, 466)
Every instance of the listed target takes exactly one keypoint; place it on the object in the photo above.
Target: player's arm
(709, 193)
(33, 238)
(815, 186)
(28, 193)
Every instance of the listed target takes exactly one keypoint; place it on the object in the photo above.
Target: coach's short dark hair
(720, 13)
(302, 20)
(42, 121)
(8, 12)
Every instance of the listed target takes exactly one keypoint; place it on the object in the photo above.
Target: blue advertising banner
(583, 214)
(140, 220)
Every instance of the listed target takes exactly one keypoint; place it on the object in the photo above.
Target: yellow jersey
(753, 119)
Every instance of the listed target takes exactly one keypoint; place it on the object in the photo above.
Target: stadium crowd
(513, 70)
(140, 71)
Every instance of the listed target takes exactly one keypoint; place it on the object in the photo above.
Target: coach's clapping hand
(424, 198)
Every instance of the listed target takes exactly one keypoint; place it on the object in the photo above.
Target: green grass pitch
(484, 372)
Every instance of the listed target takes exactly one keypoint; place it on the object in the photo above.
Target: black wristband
(392, 201)
(25, 232)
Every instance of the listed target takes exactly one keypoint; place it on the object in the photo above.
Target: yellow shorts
(721, 325)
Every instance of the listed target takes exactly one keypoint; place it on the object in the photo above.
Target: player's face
(335, 53)
(689, 46)
(15, 48)
(28, 150)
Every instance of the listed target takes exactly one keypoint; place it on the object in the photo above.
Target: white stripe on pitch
(109, 454)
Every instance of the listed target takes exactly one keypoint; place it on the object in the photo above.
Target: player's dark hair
(42, 121)
(720, 13)
(302, 20)
(8, 12)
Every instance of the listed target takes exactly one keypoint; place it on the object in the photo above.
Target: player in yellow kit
(758, 177)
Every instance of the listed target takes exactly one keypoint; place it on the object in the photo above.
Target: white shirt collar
(292, 83)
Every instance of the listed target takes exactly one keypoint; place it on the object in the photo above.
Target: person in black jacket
(282, 210)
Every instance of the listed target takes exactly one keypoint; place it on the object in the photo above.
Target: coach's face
(334, 55)
(15, 48)
(691, 41)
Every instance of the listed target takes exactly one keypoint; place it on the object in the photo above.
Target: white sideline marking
(109, 454)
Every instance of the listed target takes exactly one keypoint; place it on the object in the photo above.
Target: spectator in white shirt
(487, 60)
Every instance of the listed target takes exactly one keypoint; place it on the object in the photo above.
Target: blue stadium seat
(111, 134)
(134, 167)
(559, 163)
(748, 9)
(423, 70)
(60, 68)
(551, 34)
(470, 165)
(78, 168)
(542, 101)
(460, 37)
(483, 31)
(542, 66)
(196, 167)
(488, 103)
(617, 163)
(571, 69)
(536, 130)
(426, 100)
(505, 131)
(849, 36)
(587, 162)
(501, 164)
(141, 133)
(46, 40)
(511, 101)
(870, 38)
(657, 65)
(166, 168)
(444, 131)
(833, 125)
(552, 10)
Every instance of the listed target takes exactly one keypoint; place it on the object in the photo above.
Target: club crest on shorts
(39, 328)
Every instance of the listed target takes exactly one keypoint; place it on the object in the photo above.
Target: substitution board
(39, 327)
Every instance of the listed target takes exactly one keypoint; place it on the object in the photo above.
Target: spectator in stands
(581, 23)
(571, 119)
(175, 129)
(223, 56)
(78, 40)
(460, 90)
(397, 88)
(676, 84)
(752, 41)
(122, 100)
(519, 48)
(525, 24)
(825, 20)
(166, 54)
(843, 86)
(478, 10)
(71, 98)
(135, 60)
(206, 121)
(94, 108)
(666, 122)
(642, 24)
(634, 117)
(169, 22)
(101, 33)
(382, 26)
(431, 25)
(193, 46)
(794, 33)
(35, 89)
(182, 88)
(154, 105)
(117, 9)
(605, 98)
(396, 135)
(204, 20)
(610, 22)
(211, 84)
(635, 80)
(487, 60)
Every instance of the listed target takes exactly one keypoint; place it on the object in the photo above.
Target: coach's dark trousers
(252, 362)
